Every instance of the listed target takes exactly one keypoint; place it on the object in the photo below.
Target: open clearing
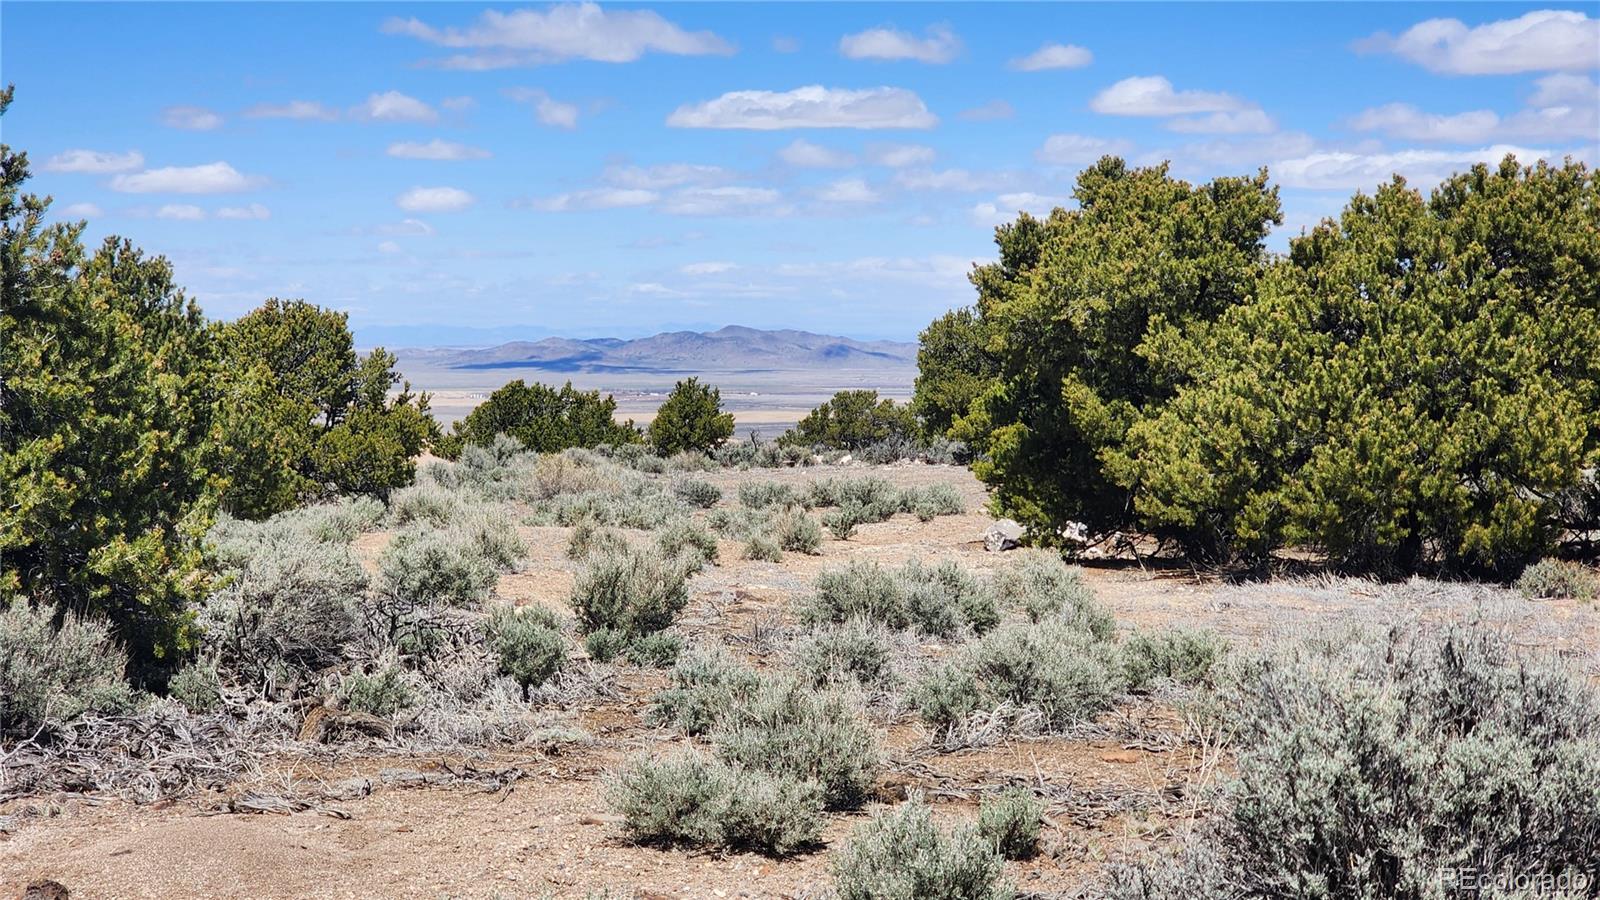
(533, 823)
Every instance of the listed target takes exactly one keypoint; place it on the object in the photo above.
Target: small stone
(1002, 534)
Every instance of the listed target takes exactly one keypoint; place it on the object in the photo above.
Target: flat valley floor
(1131, 781)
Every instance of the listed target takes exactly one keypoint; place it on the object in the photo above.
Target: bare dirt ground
(1117, 788)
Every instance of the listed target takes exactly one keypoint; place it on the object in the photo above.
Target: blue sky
(456, 172)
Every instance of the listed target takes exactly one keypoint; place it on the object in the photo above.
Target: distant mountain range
(733, 348)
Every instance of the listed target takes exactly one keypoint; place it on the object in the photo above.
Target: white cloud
(666, 175)
(458, 104)
(94, 162)
(436, 149)
(80, 211)
(1054, 56)
(1402, 120)
(847, 191)
(813, 106)
(993, 111)
(1245, 121)
(732, 200)
(1005, 207)
(600, 198)
(1079, 149)
(546, 109)
(955, 180)
(181, 211)
(393, 106)
(1343, 170)
(566, 31)
(405, 228)
(190, 118)
(940, 46)
(304, 110)
(1154, 95)
(1540, 41)
(434, 199)
(253, 212)
(211, 178)
(388, 247)
(806, 155)
(1562, 106)
(899, 156)
(708, 268)
(1555, 90)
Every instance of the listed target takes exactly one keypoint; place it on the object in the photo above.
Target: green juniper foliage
(691, 418)
(543, 419)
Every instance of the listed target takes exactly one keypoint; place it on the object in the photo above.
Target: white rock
(1003, 534)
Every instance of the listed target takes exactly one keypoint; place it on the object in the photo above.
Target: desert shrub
(692, 799)
(1551, 579)
(491, 470)
(691, 461)
(705, 686)
(902, 855)
(797, 532)
(424, 503)
(935, 600)
(383, 691)
(198, 685)
(788, 729)
(657, 650)
(842, 522)
(932, 500)
(636, 592)
(691, 418)
(876, 496)
(753, 454)
(1058, 670)
(1010, 822)
(889, 450)
(605, 644)
(851, 420)
(764, 548)
(1368, 766)
(640, 504)
(741, 523)
(55, 674)
(587, 538)
(697, 492)
(1044, 587)
(546, 419)
(527, 644)
(768, 494)
(493, 536)
(943, 451)
(1180, 655)
(427, 567)
(686, 539)
(857, 650)
(557, 474)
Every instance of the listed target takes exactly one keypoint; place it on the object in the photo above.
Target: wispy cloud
(393, 106)
(564, 32)
(434, 199)
(899, 156)
(1153, 95)
(993, 111)
(1344, 170)
(813, 106)
(1053, 56)
(806, 155)
(546, 109)
(436, 149)
(939, 46)
(1562, 106)
(190, 118)
(181, 211)
(1079, 149)
(665, 175)
(253, 212)
(598, 198)
(94, 162)
(211, 178)
(303, 110)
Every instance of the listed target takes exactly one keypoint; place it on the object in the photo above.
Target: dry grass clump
(903, 855)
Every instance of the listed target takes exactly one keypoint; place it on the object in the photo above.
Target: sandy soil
(1116, 789)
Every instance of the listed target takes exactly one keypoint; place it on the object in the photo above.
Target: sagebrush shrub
(797, 532)
(657, 650)
(425, 503)
(198, 685)
(426, 567)
(1370, 766)
(874, 496)
(1043, 586)
(383, 691)
(494, 537)
(697, 492)
(636, 592)
(842, 522)
(692, 799)
(1061, 671)
(858, 650)
(741, 523)
(605, 644)
(859, 589)
(642, 505)
(932, 500)
(1181, 655)
(1010, 822)
(786, 728)
(50, 674)
(527, 645)
(768, 494)
(687, 540)
(902, 855)
(559, 474)
(705, 686)
(1557, 579)
(763, 548)
(587, 537)
(935, 600)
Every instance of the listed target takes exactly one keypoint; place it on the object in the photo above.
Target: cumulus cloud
(1053, 56)
(94, 162)
(1343, 170)
(993, 111)
(190, 118)
(665, 175)
(939, 46)
(253, 212)
(849, 191)
(434, 199)
(1079, 149)
(1562, 106)
(1540, 41)
(211, 178)
(1244, 121)
(813, 106)
(899, 156)
(806, 155)
(1005, 207)
(303, 110)
(393, 106)
(546, 109)
(1154, 95)
(436, 149)
(564, 32)
(1402, 120)
(181, 211)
